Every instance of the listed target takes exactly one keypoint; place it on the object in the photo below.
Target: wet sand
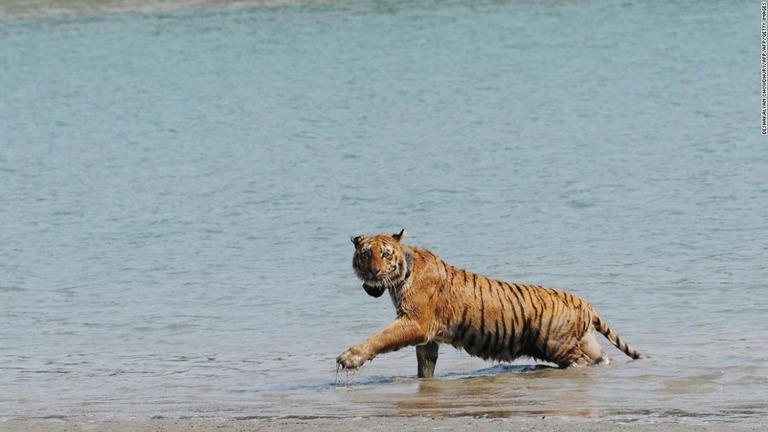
(355, 424)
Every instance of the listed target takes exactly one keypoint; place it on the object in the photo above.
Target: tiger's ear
(357, 240)
(399, 236)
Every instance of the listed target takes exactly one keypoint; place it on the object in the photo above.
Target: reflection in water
(538, 391)
(499, 391)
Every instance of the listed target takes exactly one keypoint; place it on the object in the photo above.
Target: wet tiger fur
(488, 318)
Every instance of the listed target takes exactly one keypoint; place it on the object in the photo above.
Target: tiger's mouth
(375, 284)
(373, 290)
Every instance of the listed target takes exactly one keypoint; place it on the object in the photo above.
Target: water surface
(179, 189)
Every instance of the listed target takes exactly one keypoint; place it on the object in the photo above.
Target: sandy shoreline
(354, 424)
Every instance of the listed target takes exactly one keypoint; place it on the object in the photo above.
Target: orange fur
(488, 318)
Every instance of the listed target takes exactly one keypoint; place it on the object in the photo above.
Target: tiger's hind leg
(586, 352)
(592, 352)
(426, 357)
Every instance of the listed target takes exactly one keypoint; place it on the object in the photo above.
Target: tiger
(499, 321)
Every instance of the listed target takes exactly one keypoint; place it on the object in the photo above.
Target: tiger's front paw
(352, 358)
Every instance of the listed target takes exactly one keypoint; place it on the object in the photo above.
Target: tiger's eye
(385, 254)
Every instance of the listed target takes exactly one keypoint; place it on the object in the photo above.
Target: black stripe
(554, 313)
(463, 326)
(532, 302)
(460, 330)
(488, 349)
(511, 319)
(543, 309)
(520, 304)
(479, 282)
(516, 332)
(597, 321)
(470, 345)
(570, 298)
(482, 347)
(519, 322)
(502, 306)
(529, 304)
(482, 313)
(408, 264)
(497, 336)
(493, 347)
(622, 344)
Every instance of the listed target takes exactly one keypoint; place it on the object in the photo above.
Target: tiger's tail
(616, 340)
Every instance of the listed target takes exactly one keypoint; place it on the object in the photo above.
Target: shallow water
(179, 190)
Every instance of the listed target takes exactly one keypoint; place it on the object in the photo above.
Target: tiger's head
(380, 262)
